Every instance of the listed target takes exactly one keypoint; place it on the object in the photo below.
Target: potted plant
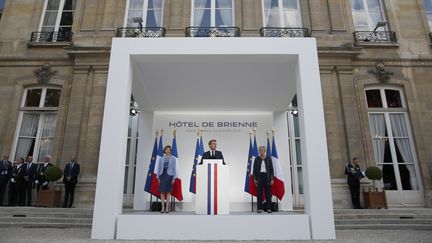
(52, 196)
(374, 198)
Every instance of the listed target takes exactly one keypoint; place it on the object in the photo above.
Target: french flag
(152, 185)
(250, 186)
(177, 187)
(199, 150)
(278, 188)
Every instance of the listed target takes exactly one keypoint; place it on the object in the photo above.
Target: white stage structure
(223, 75)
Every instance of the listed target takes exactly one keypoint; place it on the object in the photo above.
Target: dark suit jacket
(18, 174)
(354, 174)
(5, 170)
(40, 175)
(218, 155)
(72, 172)
(30, 172)
(257, 169)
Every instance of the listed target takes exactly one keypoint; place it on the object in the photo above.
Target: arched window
(151, 12)
(282, 13)
(37, 122)
(392, 139)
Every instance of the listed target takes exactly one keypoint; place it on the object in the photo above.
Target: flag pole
(172, 198)
(151, 195)
(277, 200)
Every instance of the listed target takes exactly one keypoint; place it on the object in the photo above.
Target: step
(425, 211)
(45, 225)
(382, 216)
(46, 214)
(385, 226)
(383, 221)
(38, 220)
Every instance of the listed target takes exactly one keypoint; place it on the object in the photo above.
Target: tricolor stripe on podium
(212, 189)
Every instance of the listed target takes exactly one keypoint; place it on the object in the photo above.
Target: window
(37, 122)
(427, 5)
(367, 13)
(1, 7)
(212, 13)
(282, 13)
(57, 19)
(391, 138)
(149, 10)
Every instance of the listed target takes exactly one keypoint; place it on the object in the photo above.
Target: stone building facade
(371, 80)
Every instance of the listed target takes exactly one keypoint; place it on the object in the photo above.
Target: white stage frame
(108, 220)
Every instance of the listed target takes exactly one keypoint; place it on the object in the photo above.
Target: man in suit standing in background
(17, 187)
(354, 173)
(40, 175)
(5, 175)
(70, 179)
(212, 153)
(29, 178)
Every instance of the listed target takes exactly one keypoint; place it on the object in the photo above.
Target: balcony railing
(212, 32)
(141, 32)
(53, 36)
(375, 37)
(284, 32)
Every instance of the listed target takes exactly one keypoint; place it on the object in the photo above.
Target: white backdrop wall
(232, 138)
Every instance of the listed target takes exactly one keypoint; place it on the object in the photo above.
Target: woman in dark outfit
(166, 175)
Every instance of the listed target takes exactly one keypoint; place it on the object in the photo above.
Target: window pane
(155, 4)
(387, 152)
(202, 3)
(373, 4)
(52, 98)
(290, 4)
(298, 151)
(296, 126)
(50, 18)
(374, 18)
(272, 18)
(389, 178)
(53, 4)
(224, 18)
(357, 5)
(69, 5)
(202, 18)
(374, 98)
(1, 5)
(25, 147)
(132, 14)
(300, 179)
(136, 4)
(154, 18)
(393, 98)
(427, 4)
(50, 122)
(292, 19)
(29, 125)
(45, 148)
(33, 97)
(125, 184)
(133, 182)
(360, 19)
(67, 18)
(224, 4)
(128, 151)
(408, 177)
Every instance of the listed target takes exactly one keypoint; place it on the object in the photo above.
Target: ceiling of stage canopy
(214, 82)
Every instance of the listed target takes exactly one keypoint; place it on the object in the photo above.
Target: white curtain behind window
(400, 132)
(157, 5)
(226, 12)
(199, 10)
(377, 123)
(267, 12)
(27, 134)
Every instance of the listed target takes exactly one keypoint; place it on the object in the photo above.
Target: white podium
(212, 183)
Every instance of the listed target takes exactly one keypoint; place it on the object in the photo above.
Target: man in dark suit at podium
(212, 153)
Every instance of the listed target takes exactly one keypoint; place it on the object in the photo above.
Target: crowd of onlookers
(22, 177)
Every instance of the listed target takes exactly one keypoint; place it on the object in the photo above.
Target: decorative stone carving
(381, 73)
(44, 74)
